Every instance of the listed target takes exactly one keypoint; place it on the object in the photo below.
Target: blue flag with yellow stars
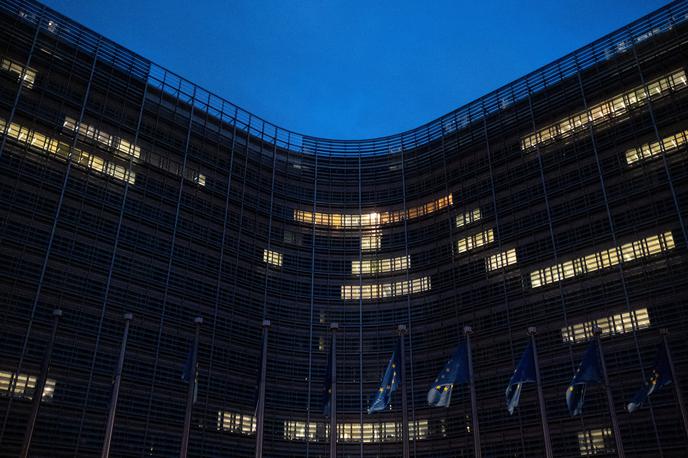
(659, 377)
(589, 372)
(524, 373)
(454, 372)
(327, 388)
(389, 383)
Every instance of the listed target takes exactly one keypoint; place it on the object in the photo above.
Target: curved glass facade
(558, 201)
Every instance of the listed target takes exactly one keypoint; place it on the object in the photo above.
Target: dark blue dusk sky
(352, 69)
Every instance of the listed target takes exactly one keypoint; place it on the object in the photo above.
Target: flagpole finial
(198, 320)
(467, 330)
(664, 331)
(128, 316)
(334, 326)
(402, 329)
(266, 323)
(532, 330)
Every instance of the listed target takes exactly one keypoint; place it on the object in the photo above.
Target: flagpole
(40, 386)
(467, 331)
(404, 408)
(191, 390)
(541, 398)
(115, 389)
(333, 396)
(674, 379)
(261, 392)
(610, 400)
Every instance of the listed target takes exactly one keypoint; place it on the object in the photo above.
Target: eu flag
(389, 383)
(327, 387)
(524, 373)
(589, 372)
(659, 377)
(454, 372)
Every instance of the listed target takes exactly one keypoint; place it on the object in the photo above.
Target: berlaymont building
(175, 272)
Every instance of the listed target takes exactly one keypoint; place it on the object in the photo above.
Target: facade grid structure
(557, 201)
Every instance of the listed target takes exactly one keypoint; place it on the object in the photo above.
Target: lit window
(650, 150)
(26, 75)
(371, 240)
(79, 157)
(199, 179)
(25, 386)
(127, 148)
(468, 217)
(382, 290)
(604, 259)
(236, 423)
(370, 219)
(375, 266)
(92, 133)
(621, 323)
(596, 442)
(501, 260)
(609, 109)
(272, 258)
(352, 432)
(475, 241)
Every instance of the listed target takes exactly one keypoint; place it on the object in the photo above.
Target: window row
(649, 150)
(25, 386)
(129, 149)
(383, 290)
(596, 442)
(355, 432)
(475, 241)
(375, 266)
(374, 219)
(501, 260)
(61, 149)
(603, 259)
(608, 109)
(110, 141)
(272, 258)
(468, 217)
(26, 75)
(371, 240)
(236, 423)
(621, 323)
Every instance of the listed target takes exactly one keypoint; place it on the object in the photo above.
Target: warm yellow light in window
(620, 323)
(609, 109)
(370, 220)
(475, 241)
(236, 422)
(24, 386)
(79, 157)
(595, 442)
(371, 240)
(468, 217)
(382, 290)
(651, 150)
(501, 260)
(272, 258)
(93, 133)
(26, 75)
(604, 259)
(354, 432)
(375, 266)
